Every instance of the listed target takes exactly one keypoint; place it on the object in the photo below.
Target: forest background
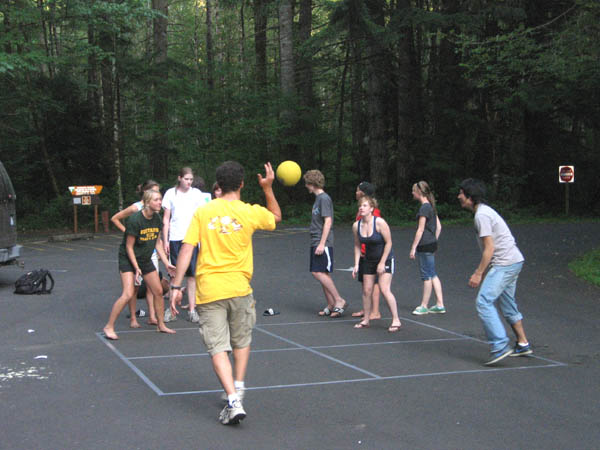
(113, 92)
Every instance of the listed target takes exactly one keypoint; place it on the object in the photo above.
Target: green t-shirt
(146, 232)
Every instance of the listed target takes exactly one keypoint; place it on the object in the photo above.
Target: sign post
(85, 195)
(566, 175)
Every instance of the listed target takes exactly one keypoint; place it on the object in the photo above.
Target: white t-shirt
(489, 223)
(182, 206)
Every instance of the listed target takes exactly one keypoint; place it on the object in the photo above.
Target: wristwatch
(178, 288)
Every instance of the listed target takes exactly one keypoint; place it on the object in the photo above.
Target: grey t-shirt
(323, 207)
(428, 237)
(489, 223)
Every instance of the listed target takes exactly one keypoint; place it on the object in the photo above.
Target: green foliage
(587, 267)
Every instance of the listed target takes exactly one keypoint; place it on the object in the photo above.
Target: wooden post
(75, 219)
(567, 199)
(105, 220)
(95, 218)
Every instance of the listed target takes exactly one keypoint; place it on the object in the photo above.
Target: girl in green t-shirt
(142, 236)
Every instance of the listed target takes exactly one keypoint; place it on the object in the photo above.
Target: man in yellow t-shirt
(224, 229)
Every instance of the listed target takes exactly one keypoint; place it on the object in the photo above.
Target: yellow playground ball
(288, 173)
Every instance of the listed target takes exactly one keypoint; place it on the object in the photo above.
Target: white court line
(308, 349)
(137, 371)
(358, 380)
(315, 347)
(297, 346)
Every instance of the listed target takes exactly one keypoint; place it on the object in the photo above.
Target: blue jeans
(499, 284)
(427, 265)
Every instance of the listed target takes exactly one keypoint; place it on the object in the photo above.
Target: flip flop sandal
(337, 311)
(360, 325)
(393, 328)
(270, 312)
(325, 312)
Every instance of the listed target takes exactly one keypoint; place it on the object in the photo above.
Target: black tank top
(374, 244)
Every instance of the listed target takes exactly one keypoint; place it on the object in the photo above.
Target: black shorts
(370, 267)
(361, 268)
(323, 262)
(145, 266)
(174, 248)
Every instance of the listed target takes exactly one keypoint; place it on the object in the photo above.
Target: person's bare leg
(151, 310)
(385, 282)
(375, 313)
(153, 285)
(439, 296)
(224, 372)
(191, 292)
(119, 305)
(329, 286)
(427, 286)
(133, 323)
(367, 294)
(241, 356)
(519, 332)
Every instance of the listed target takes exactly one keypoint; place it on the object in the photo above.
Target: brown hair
(183, 172)
(146, 186)
(367, 198)
(315, 178)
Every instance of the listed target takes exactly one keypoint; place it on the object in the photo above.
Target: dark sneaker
(522, 350)
(498, 356)
(232, 414)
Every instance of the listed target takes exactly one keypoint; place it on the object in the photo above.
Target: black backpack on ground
(34, 282)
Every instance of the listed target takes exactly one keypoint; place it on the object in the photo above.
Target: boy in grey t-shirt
(501, 254)
(321, 243)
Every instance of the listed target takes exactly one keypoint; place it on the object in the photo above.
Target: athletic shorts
(323, 262)
(175, 247)
(227, 324)
(427, 265)
(370, 267)
(145, 266)
(361, 268)
(138, 281)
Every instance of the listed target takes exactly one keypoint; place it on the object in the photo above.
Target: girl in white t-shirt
(116, 220)
(179, 204)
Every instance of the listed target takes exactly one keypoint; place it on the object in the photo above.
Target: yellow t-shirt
(224, 230)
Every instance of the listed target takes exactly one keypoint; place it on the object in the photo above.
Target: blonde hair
(148, 195)
(426, 191)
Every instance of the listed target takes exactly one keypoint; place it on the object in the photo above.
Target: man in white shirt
(502, 256)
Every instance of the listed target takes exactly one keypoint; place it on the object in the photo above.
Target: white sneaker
(169, 317)
(239, 392)
(231, 415)
(193, 316)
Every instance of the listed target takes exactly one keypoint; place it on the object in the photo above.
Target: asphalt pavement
(313, 382)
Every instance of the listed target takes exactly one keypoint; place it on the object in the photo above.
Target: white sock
(239, 385)
(232, 398)
(523, 345)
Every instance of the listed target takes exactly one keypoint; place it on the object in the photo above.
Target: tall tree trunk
(308, 114)
(260, 42)
(405, 102)
(161, 75)
(286, 76)
(375, 106)
(210, 71)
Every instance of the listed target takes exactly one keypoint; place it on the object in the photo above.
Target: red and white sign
(566, 174)
(85, 190)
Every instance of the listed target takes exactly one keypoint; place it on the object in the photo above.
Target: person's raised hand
(266, 182)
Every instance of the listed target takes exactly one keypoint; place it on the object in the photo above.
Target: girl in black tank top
(378, 260)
